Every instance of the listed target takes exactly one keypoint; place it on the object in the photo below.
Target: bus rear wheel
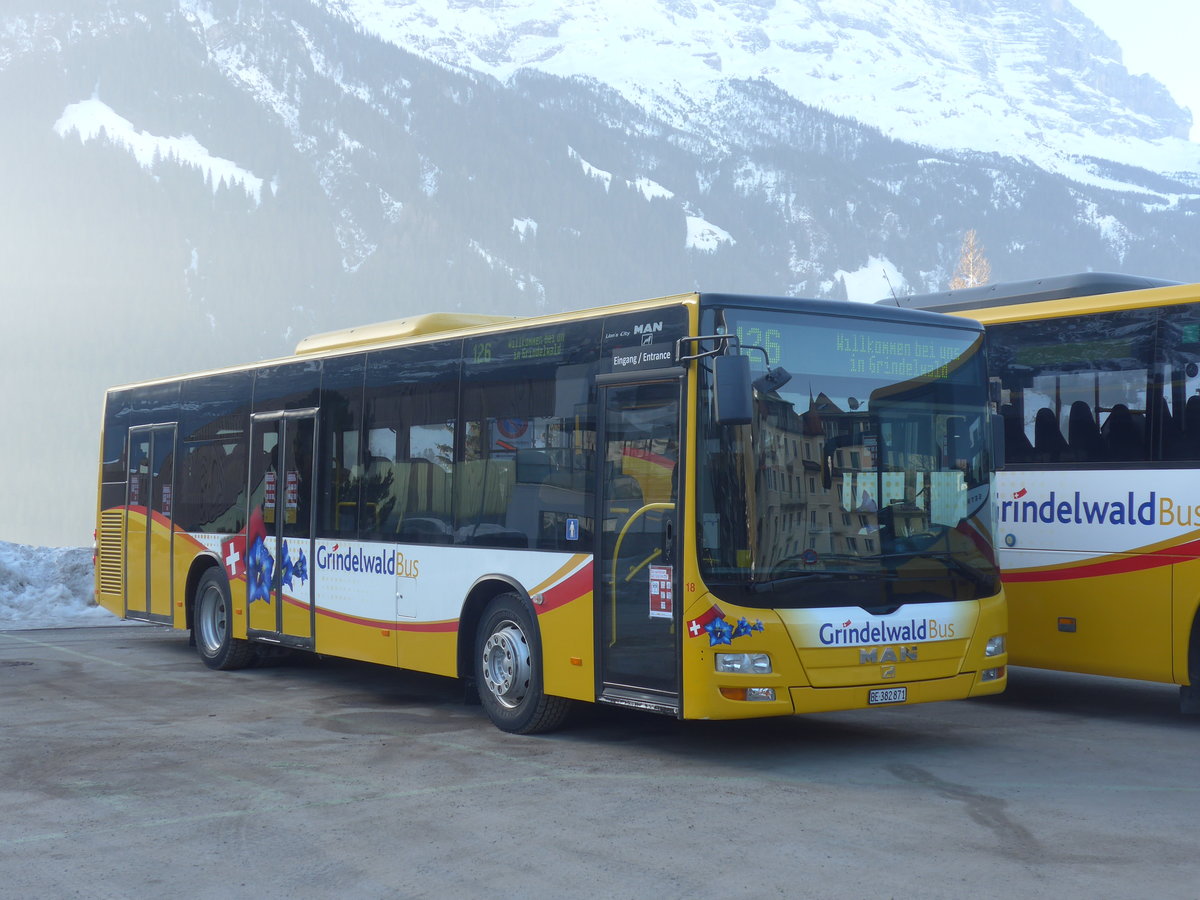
(509, 671)
(1189, 694)
(212, 625)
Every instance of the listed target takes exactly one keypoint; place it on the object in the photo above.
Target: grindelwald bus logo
(357, 560)
(1078, 508)
(852, 634)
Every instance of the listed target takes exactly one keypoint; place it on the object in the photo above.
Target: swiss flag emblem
(233, 554)
(696, 625)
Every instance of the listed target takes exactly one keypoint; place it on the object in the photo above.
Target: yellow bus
(709, 506)
(1098, 506)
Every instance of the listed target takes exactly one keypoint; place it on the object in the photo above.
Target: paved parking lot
(131, 771)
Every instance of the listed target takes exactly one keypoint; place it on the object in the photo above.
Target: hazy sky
(1158, 37)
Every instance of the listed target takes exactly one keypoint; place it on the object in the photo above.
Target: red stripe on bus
(1137, 562)
(572, 588)
(451, 625)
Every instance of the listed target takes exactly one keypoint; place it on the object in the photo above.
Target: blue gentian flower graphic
(286, 569)
(300, 568)
(260, 566)
(743, 628)
(719, 632)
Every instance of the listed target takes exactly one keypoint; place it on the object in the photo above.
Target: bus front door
(149, 522)
(638, 565)
(279, 534)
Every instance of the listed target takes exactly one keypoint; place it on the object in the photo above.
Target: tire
(211, 625)
(509, 670)
(1189, 694)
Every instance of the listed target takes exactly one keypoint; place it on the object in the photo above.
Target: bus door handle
(669, 542)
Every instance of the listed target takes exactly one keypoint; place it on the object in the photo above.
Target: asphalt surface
(128, 770)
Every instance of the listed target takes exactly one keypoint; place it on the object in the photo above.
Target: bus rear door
(149, 528)
(279, 537)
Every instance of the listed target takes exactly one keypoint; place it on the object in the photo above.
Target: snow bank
(48, 587)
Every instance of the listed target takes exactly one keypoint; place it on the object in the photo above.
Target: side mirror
(773, 380)
(731, 387)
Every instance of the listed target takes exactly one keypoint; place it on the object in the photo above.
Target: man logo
(887, 672)
(868, 655)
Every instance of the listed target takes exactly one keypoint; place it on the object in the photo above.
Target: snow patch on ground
(48, 587)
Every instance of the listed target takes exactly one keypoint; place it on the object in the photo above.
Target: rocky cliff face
(1019, 77)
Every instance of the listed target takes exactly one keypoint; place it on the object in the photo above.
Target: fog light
(744, 663)
(992, 674)
(995, 646)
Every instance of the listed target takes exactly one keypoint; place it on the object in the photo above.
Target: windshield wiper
(977, 576)
(775, 584)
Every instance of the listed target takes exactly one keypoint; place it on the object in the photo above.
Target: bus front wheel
(509, 671)
(212, 623)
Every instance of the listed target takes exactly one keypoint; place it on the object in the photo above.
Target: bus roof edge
(1058, 287)
(410, 326)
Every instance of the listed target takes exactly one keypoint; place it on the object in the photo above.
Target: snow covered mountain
(1022, 78)
(192, 183)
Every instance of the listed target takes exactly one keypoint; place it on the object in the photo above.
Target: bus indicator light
(1067, 624)
(729, 693)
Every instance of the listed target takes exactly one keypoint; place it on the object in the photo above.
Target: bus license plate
(887, 695)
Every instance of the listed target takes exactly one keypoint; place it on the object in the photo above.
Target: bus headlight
(744, 663)
(995, 646)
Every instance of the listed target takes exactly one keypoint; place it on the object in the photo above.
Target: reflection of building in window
(821, 485)
(814, 470)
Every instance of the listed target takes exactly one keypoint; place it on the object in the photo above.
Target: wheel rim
(506, 664)
(212, 620)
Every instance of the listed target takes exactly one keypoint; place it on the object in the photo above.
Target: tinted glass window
(525, 474)
(117, 411)
(406, 473)
(212, 475)
(155, 404)
(1080, 390)
(341, 447)
(293, 385)
(1177, 381)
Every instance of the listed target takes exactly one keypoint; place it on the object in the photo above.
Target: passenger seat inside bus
(425, 517)
(1016, 443)
(1188, 442)
(1123, 433)
(1083, 434)
(1048, 443)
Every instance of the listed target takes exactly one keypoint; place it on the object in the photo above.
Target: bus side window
(341, 443)
(410, 414)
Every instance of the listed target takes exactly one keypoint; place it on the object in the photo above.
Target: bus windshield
(863, 480)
